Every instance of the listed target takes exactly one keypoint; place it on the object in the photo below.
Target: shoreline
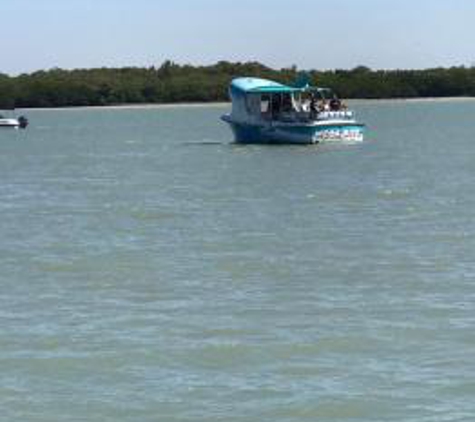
(415, 100)
(152, 106)
(144, 106)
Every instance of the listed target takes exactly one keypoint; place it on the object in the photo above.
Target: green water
(152, 270)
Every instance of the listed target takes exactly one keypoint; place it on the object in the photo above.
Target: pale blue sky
(320, 34)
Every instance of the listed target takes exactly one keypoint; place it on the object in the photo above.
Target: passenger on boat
(323, 105)
(335, 104)
(313, 103)
(313, 107)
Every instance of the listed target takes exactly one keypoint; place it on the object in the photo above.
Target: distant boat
(13, 122)
(265, 111)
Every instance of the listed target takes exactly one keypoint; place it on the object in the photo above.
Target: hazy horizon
(311, 35)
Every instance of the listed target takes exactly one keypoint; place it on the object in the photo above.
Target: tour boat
(265, 111)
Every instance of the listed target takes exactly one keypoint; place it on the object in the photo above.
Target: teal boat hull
(295, 134)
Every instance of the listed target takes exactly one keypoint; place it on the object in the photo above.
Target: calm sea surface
(152, 270)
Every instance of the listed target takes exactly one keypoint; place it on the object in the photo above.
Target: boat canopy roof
(265, 86)
(260, 86)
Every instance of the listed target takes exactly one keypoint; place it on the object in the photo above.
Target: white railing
(344, 114)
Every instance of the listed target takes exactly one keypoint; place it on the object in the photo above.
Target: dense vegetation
(172, 83)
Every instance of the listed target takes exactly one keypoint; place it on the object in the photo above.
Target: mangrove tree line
(171, 83)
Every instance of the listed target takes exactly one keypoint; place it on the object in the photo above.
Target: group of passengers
(317, 106)
(281, 104)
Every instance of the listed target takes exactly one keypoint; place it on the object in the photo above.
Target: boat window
(265, 104)
(276, 103)
(287, 103)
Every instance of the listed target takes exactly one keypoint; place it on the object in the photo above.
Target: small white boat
(265, 111)
(13, 122)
